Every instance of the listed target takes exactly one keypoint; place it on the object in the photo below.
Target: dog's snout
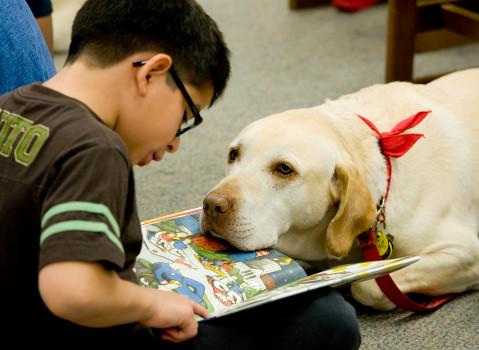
(215, 204)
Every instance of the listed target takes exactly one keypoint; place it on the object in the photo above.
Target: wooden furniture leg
(417, 26)
(400, 41)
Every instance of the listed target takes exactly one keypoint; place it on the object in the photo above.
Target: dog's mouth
(230, 238)
(213, 233)
(239, 235)
(238, 241)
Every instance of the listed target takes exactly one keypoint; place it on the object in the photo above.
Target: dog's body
(307, 181)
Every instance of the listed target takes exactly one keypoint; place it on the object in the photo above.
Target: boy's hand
(174, 314)
(89, 295)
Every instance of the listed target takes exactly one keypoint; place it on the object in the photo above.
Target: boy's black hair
(108, 31)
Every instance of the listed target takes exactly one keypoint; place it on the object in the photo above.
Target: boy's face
(151, 127)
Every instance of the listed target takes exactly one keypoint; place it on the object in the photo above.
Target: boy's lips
(146, 160)
(156, 156)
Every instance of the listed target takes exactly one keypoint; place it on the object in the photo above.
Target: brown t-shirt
(66, 194)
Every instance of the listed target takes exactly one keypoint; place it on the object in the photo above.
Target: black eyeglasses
(187, 124)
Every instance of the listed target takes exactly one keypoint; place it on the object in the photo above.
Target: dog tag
(384, 244)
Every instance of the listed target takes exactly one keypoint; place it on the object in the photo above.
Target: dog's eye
(284, 169)
(233, 155)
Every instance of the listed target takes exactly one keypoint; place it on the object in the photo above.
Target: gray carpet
(286, 59)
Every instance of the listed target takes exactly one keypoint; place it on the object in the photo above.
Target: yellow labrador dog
(308, 181)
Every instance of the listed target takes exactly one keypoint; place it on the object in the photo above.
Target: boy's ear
(158, 64)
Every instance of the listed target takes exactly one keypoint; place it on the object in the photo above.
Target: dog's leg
(446, 267)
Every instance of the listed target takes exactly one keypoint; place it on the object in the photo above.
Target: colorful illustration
(174, 280)
(208, 270)
(177, 257)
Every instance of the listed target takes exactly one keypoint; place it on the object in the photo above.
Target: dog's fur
(307, 182)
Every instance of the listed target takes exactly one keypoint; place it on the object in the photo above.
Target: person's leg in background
(24, 56)
(42, 11)
(45, 24)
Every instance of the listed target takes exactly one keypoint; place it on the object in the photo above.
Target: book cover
(176, 257)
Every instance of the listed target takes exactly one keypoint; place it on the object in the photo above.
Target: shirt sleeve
(85, 209)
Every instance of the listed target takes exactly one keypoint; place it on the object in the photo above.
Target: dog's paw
(369, 294)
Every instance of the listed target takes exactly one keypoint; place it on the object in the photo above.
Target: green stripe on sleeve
(81, 225)
(88, 207)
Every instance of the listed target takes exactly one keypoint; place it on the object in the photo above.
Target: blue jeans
(319, 319)
(24, 56)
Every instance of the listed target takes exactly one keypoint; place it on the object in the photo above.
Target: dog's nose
(215, 204)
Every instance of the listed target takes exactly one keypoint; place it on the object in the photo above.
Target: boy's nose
(173, 145)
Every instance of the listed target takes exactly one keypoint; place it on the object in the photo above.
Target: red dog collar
(395, 144)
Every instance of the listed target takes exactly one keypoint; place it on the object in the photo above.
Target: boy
(137, 74)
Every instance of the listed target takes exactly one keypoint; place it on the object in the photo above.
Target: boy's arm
(89, 295)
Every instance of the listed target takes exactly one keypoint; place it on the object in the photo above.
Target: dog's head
(290, 183)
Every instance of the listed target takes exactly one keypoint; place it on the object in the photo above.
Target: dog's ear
(356, 211)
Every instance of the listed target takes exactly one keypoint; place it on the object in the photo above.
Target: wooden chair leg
(400, 40)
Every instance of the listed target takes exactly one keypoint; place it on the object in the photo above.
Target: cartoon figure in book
(214, 266)
(226, 290)
(167, 276)
(231, 281)
(172, 242)
(172, 279)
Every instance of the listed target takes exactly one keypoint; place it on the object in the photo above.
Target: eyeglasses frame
(189, 101)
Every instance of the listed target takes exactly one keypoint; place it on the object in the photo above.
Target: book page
(176, 257)
(334, 277)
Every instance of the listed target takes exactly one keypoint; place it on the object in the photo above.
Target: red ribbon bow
(393, 143)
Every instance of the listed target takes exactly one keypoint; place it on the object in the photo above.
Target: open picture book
(176, 257)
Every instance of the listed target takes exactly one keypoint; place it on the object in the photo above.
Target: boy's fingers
(166, 334)
(179, 334)
(200, 310)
